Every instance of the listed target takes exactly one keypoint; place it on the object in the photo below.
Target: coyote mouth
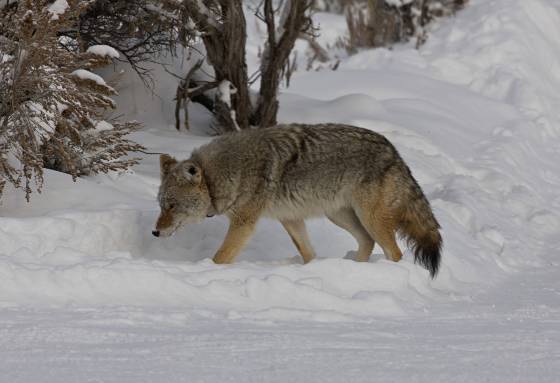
(166, 232)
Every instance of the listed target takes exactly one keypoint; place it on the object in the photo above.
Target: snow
(5, 58)
(103, 125)
(103, 51)
(487, 341)
(58, 8)
(90, 76)
(86, 293)
(224, 92)
(398, 3)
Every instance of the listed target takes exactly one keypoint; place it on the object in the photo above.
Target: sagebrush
(53, 110)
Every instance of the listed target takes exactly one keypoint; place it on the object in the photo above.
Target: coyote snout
(166, 223)
(353, 176)
(183, 196)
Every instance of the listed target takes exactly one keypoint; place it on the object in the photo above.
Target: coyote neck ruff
(353, 176)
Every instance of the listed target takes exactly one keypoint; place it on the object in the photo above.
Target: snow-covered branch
(52, 106)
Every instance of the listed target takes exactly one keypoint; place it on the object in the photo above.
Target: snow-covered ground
(87, 294)
(510, 334)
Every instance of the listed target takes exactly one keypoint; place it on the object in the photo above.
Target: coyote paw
(352, 255)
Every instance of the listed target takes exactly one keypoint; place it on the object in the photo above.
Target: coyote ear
(165, 163)
(192, 173)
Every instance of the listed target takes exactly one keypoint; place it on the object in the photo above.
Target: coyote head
(183, 196)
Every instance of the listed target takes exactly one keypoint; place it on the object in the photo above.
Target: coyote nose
(155, 233)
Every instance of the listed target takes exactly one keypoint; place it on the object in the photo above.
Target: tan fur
(164, 220)
(237, 236)
(347, 219)
(353, 176)
(380, 220)
(298, 233)
(165, 163)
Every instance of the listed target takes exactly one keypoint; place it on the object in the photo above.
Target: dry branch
(222, 29)
(294, 21)
(52, 108)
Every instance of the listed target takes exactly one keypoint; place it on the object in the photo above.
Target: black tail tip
(429, 256)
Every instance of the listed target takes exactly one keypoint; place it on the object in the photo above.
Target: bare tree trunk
(293, 21)
(221, 25)
(225, 37)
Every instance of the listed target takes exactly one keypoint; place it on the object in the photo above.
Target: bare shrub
(222, 27)
(382, 23)
(141, 30)
(52, 107)
(332, 6)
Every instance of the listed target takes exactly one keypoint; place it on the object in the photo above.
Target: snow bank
(155, 107)
(474, 114)
(102, 253)
(90, 76)
(103, 51)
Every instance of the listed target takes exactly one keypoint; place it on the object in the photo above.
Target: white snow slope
(87, 294)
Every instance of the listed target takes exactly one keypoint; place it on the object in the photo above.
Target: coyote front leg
(237, 236)
(298, 233)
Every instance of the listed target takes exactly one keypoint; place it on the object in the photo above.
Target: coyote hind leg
(298, 233)
(347, 219)
(381, 224)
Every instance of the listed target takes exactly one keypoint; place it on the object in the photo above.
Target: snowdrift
(474, 114)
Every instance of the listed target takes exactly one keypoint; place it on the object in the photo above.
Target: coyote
(353, 176)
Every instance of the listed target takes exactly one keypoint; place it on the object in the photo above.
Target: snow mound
(473, 113)
(90, 76)
(105, 255)
(103, 51)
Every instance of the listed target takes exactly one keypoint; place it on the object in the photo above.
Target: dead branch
(222, 28)
(294, 21)
(182, 96)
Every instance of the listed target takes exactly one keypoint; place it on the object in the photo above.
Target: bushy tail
(421, 230)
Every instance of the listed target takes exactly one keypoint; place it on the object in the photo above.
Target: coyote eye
(171, 205)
